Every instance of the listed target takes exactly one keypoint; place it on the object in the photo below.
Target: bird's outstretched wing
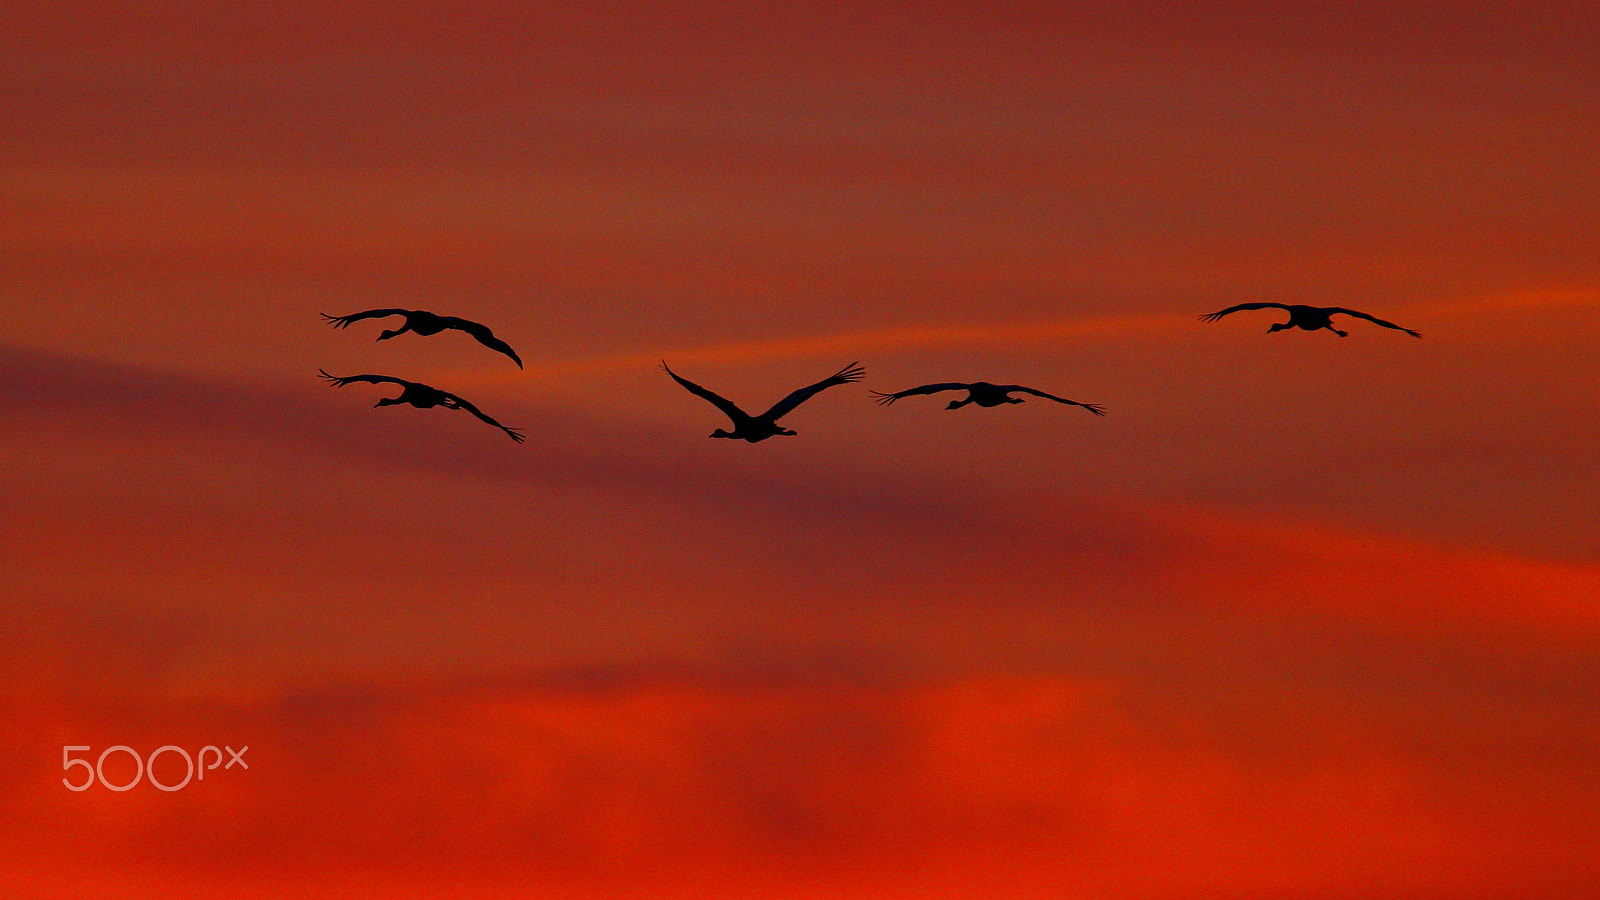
(1212, 317)
(886, 399)
(341, 381)
(1373, 319)
(458, 403)
(852, 372)
(344, 321)
(483, 335)
(727, 406)
(1095, 408)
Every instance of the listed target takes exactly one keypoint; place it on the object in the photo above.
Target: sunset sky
(1302, 617)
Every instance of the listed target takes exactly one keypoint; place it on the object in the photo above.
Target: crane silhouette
(426, 323)
(759, 428)
(421, 396)
(1311, 318)
(982, 393)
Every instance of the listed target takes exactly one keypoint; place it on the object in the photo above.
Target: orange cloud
(1390, 582)
(1032, 785)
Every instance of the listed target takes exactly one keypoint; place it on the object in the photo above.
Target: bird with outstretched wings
(420, 395)
(1309, 318)
(981, 393)
(426, 323)
(759, 428)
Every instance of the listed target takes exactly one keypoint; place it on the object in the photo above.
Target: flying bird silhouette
(421, 396)
(426, 323)
(1311, 318)
(759, 428)
(983, 394)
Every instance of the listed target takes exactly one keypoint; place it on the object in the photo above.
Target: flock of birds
(751, 428)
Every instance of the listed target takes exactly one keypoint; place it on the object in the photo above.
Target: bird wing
(341, 381)
(1374, 319)
(459, 403)
(886, 399)
(727, 406)
(344, 321)
(1212, 317)
(1095, 408)
(483, 335)
(852, 372)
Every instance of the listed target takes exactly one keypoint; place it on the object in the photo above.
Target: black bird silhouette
(421, 396)
(759, 428)
(983, 394)
(1311, 318)
(426, 323)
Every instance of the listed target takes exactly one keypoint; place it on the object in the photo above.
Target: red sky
(1302, 617)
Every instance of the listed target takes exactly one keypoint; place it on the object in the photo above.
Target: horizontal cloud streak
(919, 338)
(564, 447)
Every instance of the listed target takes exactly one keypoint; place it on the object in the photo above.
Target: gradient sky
(1303, 617)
